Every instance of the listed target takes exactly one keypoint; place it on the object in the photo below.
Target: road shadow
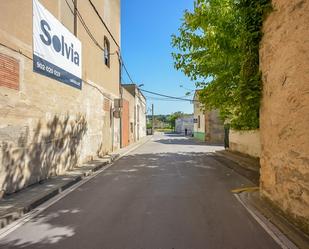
(45, 230)
(190, 162)
(94, 204)
(185, 140)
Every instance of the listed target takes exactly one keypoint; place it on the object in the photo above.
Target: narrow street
(169, 193)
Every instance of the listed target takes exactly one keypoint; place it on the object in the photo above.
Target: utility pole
(152, 120)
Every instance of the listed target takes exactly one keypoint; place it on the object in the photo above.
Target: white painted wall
(198, 112)
(140, 107)
(184, 123)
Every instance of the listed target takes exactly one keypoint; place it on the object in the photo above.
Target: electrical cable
(28, 57)
(84, 24)
(92, 37)
(160, 99)
(97, 44)
(17, 51)
(167, 96)
(110, 33)
(112, 36)
(126, 70)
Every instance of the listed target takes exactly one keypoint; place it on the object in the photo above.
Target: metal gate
(226, 136)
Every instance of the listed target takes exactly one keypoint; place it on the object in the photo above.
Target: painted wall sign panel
(57, 53)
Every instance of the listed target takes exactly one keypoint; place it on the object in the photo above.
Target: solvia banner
(57, 53)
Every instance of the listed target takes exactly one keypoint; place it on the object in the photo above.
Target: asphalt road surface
(169, 193)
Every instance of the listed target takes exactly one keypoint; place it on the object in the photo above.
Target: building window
(106, 52)
(198, 121)
(131, 127)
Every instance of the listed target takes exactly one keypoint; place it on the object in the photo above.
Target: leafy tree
(218, 47)
(172, 118)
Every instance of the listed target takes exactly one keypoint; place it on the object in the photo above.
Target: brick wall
(9, 72)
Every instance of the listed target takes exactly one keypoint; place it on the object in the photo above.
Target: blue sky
(147, 27)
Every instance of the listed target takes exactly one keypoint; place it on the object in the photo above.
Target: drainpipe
(152, 120)
(75, 17)
(113, 130)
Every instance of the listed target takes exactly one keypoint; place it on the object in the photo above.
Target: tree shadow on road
(185, 140)
(42, 231)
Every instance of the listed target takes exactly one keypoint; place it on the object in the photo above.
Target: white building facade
(185, 125)
(139, 111)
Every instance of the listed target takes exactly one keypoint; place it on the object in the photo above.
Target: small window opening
(106, 52)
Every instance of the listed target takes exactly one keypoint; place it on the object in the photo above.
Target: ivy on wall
(218, 48)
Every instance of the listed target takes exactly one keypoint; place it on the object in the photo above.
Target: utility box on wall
(118, 103)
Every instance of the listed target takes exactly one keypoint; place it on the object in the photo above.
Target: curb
(277, 219)
(18, 212)
(246, 172)
(281, 239)
(107, 161)
(243, 160)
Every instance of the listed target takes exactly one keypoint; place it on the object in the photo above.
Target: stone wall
(284, 56)
(214, 128)
(47, 127)
(246, 142)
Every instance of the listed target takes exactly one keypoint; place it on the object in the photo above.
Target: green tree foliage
(218, 47)
(172, 118)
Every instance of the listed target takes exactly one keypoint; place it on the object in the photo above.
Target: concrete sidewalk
(16, 205)
(277, 222)
(244, 165)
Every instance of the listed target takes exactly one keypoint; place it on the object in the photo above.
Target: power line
(126, 70)
(92, 37)
(80, 17)
(110, 33)
(162, 99)
(84, 24)
(15, 50)
(114, 39)
(167, 96)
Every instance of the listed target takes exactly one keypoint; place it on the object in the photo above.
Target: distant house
(137, 113)
(127, 118)
(207, 124)
(184, 123)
